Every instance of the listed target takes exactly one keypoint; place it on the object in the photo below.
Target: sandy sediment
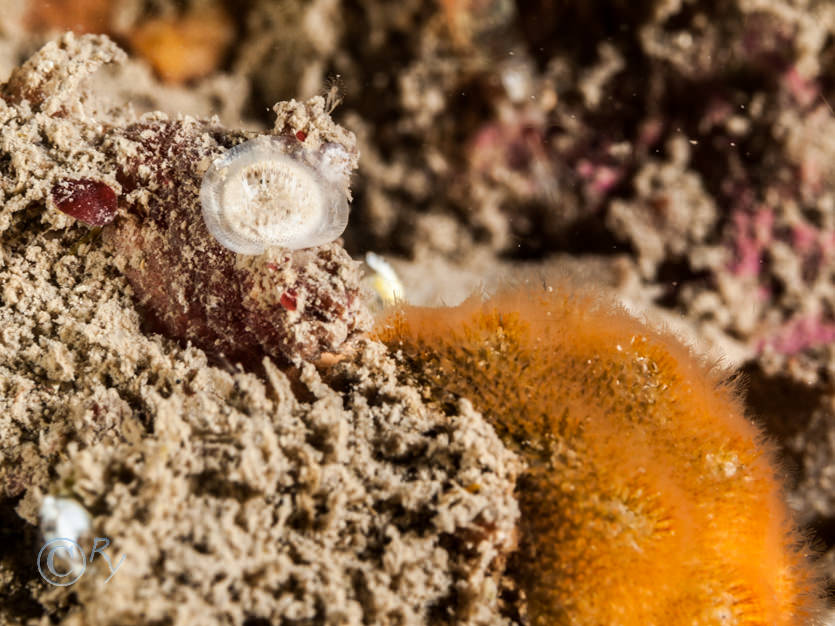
(329, 499)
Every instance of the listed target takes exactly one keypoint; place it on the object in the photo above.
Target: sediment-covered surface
(678, 152)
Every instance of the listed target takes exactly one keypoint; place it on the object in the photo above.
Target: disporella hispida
(274, 191)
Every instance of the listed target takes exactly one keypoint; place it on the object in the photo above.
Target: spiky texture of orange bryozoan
(649, 498)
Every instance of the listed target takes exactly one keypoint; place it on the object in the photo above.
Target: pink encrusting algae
(753, 234)
(799, 334)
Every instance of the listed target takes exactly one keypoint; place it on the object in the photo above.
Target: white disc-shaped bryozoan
(269, 192)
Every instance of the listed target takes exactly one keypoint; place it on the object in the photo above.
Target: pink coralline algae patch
(515, 150)
(752, 235)
(601, 178)
(798, 335)
(813, 244)
(513, 145)
(804, 91)
(512, 151)
(763, 237)
(89, 201)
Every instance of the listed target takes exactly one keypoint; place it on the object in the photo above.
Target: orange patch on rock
(185, 47)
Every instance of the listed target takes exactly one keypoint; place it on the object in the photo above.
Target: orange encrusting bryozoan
(649, 498)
